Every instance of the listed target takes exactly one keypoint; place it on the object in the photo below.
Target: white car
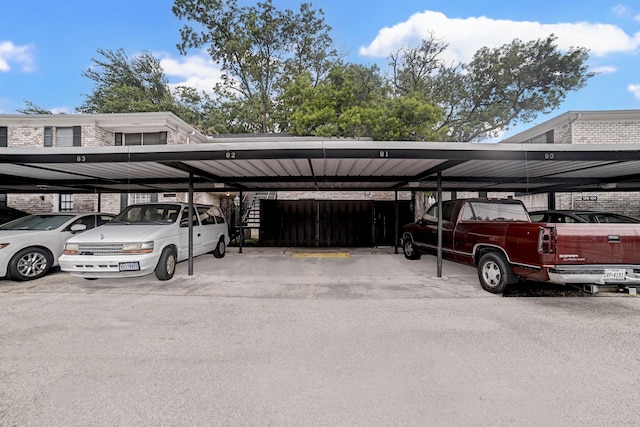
(31, 245)
(146, 238)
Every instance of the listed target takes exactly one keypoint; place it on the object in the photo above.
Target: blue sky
(45, 45)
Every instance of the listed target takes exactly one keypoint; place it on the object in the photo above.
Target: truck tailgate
(598, 243)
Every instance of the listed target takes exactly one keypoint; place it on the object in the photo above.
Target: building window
(148, 138)
(156, 138)
(48, 136)
(64, 136)
(142, 198)
(4, 133)
(139, 198)
(66, 202)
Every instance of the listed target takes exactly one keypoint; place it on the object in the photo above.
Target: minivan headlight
(137, 248)
(70, 249)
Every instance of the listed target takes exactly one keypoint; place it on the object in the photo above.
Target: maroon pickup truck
(498, 237)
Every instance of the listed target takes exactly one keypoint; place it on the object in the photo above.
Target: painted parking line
(320, 255)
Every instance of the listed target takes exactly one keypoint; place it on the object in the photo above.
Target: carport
(287, 163)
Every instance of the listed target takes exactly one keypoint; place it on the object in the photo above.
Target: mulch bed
(536, 289)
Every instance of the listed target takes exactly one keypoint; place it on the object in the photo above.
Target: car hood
(6, 235)
(124, 233)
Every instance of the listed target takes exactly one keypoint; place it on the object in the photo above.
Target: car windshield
(37, 222)
(147, 214)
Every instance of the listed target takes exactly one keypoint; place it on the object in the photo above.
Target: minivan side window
(206, 216)
(184, 222)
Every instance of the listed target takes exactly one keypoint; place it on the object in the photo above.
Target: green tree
(354, 101)
(260, 49)
(195, 108)
(499, 87)
(123, 85)
(31, 108)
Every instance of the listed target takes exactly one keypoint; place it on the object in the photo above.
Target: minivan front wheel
(166, 264)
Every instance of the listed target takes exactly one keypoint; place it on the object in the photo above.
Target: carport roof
(287, 163)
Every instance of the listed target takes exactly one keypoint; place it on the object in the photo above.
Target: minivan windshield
(161, 214)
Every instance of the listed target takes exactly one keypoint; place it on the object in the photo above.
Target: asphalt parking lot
(287, 337)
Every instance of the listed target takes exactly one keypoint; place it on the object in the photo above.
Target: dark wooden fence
(327, 223)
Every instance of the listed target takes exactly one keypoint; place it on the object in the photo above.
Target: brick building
(95, 130)
(587, 127)
(103, 130)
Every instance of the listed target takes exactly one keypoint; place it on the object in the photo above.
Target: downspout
(192, 213)
(396, 223)
(189, 135)
(571, 137)
(439, 250)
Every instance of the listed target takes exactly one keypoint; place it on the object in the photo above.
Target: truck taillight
(547, 240)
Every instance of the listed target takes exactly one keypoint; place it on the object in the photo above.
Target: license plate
(129, 266)
(614, 273)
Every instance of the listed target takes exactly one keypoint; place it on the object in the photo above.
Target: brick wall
(25, 136)
(562, 134)
(343, 195)
(611, 132)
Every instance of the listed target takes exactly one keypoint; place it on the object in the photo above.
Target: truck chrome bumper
(596, 274)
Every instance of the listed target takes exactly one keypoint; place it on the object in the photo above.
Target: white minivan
(145, 238)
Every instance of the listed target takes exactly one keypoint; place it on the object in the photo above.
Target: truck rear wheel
(494, 273)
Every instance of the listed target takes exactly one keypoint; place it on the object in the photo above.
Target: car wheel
(494, 273)
(30, 264)
(166, 264)
(409, 249)
(220, 250)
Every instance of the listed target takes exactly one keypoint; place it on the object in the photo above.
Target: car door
(210, 234)
(426, 234)
(198, 238)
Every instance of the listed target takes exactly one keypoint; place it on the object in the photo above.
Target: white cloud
(620, 10)
(637, 18)
(23, 56)
(605, 69)
(196, 71)
(635, 90)
(466, 35)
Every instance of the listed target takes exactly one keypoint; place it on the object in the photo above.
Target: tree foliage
(354, 102)
(31, 108)
(281, 74)
(499, 87)
(259, 49)
(138, 84)
(123, 85)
